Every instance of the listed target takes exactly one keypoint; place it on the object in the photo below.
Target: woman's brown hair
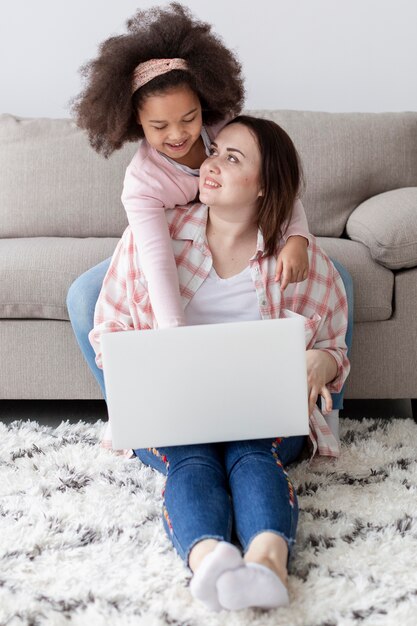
(106, 108)
(281, 178)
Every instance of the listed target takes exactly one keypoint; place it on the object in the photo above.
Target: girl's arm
(298, 224)
(153, 241)
(149, 189)
(292, 261)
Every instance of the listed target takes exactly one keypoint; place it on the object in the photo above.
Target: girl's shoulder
(152, 180)
(150, 167)
(146, 156)
(149, 162)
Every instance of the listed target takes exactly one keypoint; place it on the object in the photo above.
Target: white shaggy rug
(81, 540)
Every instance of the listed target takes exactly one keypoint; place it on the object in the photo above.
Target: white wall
(355, 55)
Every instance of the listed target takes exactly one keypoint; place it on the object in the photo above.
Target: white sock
(225, 556)
(332, 421)
(253, 585)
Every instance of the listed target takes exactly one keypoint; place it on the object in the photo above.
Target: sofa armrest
(387, 225)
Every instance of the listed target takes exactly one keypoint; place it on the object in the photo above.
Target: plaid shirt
(124, 304)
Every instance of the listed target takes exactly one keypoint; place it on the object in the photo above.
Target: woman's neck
(231, 229)
(232, 243)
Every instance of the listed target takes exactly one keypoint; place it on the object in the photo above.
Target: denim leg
(337, 398)
(196, 497)
(81, 301)
(262, 494)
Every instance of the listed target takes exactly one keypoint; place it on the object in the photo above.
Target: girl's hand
(321, 368)
(292, 262)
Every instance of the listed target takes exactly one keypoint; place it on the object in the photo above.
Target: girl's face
(172, 121)
(230, 176)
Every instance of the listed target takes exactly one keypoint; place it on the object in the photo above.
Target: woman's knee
(348, 285)
(83, 293)
(346, 278)
(80, 306)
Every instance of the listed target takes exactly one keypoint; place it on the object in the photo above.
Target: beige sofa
(60, 214)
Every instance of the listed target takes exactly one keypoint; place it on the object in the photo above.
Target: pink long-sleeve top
(152, 184)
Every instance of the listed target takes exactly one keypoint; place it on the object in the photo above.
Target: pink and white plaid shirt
(124, 304)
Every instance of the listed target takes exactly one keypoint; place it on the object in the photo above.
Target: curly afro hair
(106, 108)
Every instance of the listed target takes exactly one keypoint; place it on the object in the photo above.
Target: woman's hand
(292, 261)
(321, 368)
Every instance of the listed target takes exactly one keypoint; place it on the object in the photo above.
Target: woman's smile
(210, 183)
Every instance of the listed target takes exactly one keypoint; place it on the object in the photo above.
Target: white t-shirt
(220, 300)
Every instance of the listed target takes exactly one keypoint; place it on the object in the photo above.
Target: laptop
(206, 383)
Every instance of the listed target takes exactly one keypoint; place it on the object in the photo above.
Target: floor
(53, 412)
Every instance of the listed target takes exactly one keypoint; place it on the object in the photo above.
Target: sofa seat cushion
(373, 283)
(36, 273)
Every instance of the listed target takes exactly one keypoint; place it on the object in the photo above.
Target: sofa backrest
(53, 184)
(348, 158)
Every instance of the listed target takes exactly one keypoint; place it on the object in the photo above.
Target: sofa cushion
(373, 284)
(36, 273)
(347, 158)
(387, 225)
(54, 184)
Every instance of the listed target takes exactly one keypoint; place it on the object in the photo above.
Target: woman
(225, 251)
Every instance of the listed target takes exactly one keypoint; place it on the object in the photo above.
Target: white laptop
(206, 383)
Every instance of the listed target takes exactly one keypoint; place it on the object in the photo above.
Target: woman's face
(230, 176)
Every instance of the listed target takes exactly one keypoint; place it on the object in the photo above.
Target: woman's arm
(292, 261)
(331, 337)
(321, 369)
(327, 362)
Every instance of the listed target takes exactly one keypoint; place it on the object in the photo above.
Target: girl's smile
(178, 146)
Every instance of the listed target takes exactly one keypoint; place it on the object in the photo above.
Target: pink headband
(148, 70)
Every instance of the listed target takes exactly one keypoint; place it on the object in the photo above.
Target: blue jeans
(212, 490)
(337, 398)
(83, 294)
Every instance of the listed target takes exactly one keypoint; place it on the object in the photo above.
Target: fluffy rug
(82, 542)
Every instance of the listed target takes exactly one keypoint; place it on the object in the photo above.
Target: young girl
(172, 83)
